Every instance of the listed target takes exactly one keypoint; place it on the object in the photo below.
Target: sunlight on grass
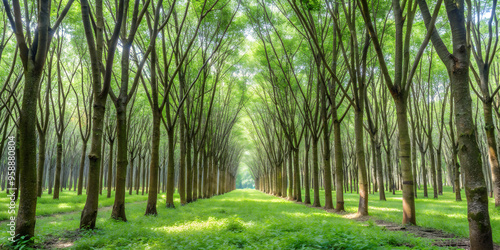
(63, 205)
(240, 219)
(443, 213)
(250, 219)
(386, 209)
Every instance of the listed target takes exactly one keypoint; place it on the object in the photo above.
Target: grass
(443, 213)
(240, 219)
(68, 201)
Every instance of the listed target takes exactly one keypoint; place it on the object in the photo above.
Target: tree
(457, 65)
(33, 53)
(100, 89)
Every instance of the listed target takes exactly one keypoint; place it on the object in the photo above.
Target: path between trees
(441, 238)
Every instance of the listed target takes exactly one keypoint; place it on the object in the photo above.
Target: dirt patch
(65, 240)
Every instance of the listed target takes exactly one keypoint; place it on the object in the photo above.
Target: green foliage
(244, 178)
(444, 213)
(22, 242)
(245, 219)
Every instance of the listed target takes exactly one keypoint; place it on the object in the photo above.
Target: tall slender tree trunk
(414, 159)
(278, 180)
(189, 172)
(380, 175)
(492, 151)
(424, 172)
(154, 165)
(57, 178)
(170, 170)
(25, 223)
(138, 175)
(118, 212)
(316, 202)
(110, 168)
(298, 193)
(131, 176)
(89, 213)
(405, 159)
(374, 163)
(339, 162)
(307, 186)
(42, 143)
(182, 159)
(360, 159)
(439, 171)
(195, 174)
(82, 166)
(283, 178)
(101, 174)
(433, 168)
(469, 155)
(200, 174)
(206, 168)
(143, 175)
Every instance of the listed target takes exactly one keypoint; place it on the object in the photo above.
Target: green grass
(240, 219)
(443, 213)
(68, 201)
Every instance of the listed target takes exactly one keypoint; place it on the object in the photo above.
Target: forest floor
(444, 214)
(252, 220)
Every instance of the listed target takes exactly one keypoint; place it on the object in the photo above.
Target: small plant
(22, 242)
(235, 225)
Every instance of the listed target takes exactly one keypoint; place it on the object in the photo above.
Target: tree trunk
(82, 166)
(424, 173)
(380, 176)
(283, 179)
(469, 155)
(492, 151)
(25, 223)
(110, 168)
(195, 174)
(439, 172)
(189, 172)
(278, 180)
(414, 158)
(131, 175)
(101, 174)
(339, 162)
(182, 160)
(41, 161)
(374, 163)
(89, 213)
(138, 176)
(170, 170)
(316, 202)
(118, 212)
(433, 169)
(360, 159)
(298, 193)
(154, 165)
(143, 175)
(307, 186)
(406, 166)
(200, 174)
(57, 177)
(327, 174)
